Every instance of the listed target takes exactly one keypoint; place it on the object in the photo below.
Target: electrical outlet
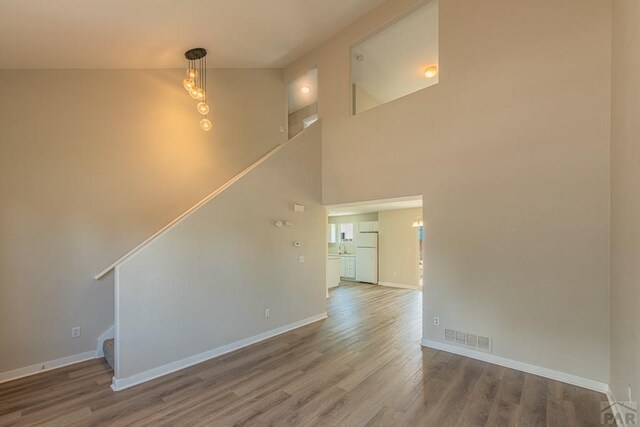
(75, 332)
(301, 259)
(436, 321)
(267, 312)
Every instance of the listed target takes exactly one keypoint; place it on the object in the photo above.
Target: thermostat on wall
(298, 208)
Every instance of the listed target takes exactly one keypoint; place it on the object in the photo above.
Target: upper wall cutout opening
(303, 101)
(396, 61)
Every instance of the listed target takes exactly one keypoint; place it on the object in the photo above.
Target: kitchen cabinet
(332, 233)
(348, 267)
(333, 272)
(368, 226)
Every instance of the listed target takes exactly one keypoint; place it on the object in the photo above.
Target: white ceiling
(156, 33)
(393, 60)
(375, 206)
(299, 99)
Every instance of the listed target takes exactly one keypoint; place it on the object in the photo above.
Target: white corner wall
(625, 201)
(510, 151)
(202, 287)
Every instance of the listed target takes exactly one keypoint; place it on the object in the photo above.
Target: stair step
(108, 347)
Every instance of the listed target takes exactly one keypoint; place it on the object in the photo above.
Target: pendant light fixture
(196, 82)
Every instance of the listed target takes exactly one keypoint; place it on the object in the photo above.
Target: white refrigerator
(367, 258)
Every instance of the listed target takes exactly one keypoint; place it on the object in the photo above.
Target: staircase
(108, 347)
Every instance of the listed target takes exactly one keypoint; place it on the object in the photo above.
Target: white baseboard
(46, 366)
(520, 366)
(102, 338)
(397, 285)
(123, 383)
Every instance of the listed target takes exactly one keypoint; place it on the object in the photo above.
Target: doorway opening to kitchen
(376, 243)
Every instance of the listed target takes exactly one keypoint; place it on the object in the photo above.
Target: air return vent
(472, 340)
(449, 334)
(484, 343)
(468, 340)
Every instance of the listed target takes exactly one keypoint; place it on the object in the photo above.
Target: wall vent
(468, 340)
(472, 340)
(449, 335)
(484, 343)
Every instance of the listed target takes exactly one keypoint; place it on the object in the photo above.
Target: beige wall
(95, 161)
(207, 282)
(625, 200)
(399, 247)
(511, 153)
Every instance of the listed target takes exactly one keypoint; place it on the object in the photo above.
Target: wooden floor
(361, 366)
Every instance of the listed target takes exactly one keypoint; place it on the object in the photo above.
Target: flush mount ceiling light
(305, 89)
(196, 82)
(430, 72)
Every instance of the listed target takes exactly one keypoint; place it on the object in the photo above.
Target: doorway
(376, 242)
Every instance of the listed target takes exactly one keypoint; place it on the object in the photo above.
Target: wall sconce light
(196, 83)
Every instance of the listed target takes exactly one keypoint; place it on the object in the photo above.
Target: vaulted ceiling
(155, 33)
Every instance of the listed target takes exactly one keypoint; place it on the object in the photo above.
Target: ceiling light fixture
(196, 82)
(305, 89)
(431, 72)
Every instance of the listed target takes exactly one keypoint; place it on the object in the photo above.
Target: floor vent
(468, 340)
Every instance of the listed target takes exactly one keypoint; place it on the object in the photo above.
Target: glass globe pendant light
(188, 83)
(203, 108)
(205, 124)
(196, 83)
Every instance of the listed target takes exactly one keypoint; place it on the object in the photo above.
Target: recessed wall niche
(397, 60)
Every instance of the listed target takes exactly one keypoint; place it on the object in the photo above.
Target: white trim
(46, 366)
(101, 339)
(397, 285)
(520, 366)
(195, 207)
(116, 322)
(123, 383)
(611, 397)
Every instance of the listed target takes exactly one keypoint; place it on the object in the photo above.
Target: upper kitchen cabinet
(332, 233)
(368, 227)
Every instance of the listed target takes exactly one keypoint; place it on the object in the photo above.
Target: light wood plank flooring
(361, 367)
